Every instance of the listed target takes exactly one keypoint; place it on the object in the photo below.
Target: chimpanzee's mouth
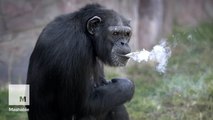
(122, 59)
(119, 59)
(123, 56)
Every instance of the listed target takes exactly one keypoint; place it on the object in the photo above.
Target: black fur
(65, 72)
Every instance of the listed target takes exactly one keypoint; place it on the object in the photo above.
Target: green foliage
(5, 114)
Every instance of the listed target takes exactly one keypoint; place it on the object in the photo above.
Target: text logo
(19, 94)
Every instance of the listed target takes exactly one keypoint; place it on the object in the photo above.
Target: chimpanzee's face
(111, 35)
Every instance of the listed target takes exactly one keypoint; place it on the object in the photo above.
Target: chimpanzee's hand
(115, 93)
(125, 86)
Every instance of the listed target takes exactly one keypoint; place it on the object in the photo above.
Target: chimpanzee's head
(111, 34)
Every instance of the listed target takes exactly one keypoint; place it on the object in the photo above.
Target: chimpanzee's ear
(92, 24)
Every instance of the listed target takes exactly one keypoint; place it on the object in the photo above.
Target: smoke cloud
(159, 54)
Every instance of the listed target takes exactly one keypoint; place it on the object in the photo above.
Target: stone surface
(21, 23)
(1, 27)
(15, 8)
(14, 55)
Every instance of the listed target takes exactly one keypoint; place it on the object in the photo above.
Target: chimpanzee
(65, 72)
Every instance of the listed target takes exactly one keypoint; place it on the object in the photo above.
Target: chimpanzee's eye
(115, 33)
(127, 34)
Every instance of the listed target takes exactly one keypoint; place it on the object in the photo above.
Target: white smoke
(159, 54)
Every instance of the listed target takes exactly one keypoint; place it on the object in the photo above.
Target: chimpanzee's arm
(105, 98)
(117, 113)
